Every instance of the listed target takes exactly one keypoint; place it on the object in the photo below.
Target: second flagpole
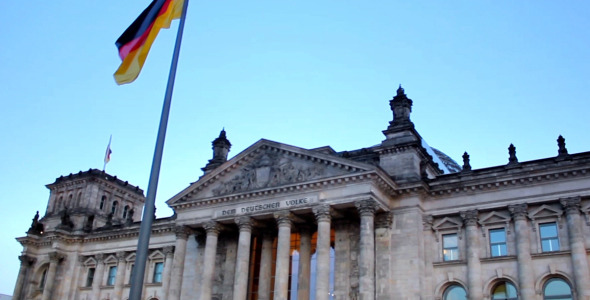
(138, 272)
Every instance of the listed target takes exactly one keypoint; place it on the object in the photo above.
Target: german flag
(135, 43)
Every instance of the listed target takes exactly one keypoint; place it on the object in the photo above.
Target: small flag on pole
(134, 44)
(107, 154)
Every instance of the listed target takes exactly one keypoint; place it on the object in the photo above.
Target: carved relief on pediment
(273, 169)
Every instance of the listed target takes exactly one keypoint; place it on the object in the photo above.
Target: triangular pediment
(267, 165)
(494, 217)
(545, 211)
(447, 223)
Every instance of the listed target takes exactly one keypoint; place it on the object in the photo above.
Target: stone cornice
(68, 238)
(369, 176)
(503, 179)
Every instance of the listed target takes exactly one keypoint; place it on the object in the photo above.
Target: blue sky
(482, 74)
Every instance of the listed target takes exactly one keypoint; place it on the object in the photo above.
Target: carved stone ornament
(121, 255)
(366, 207)
(212, 228)
(571, 205)
(182, 232)
(56, 257)
(99, 257)
(26, 260)
(469, 217)
(284, 218)
(245, 223)
(518, 211)
(322, 212)
(384, 220)
(427, 222)
(168, 250)
(269, 170)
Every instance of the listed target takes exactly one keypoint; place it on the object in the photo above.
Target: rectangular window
(549, 239)
(498, 242)
(90, 277)
(112, 275)
(158, 268)
(131, 273)
(450, 247)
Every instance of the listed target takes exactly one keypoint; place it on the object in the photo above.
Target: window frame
(505, 283)
(111, 278)
(454, 251)
(549, 238)
(160, 273)
(90, 273)
(448, 289)
(552, 279)
(493, 244)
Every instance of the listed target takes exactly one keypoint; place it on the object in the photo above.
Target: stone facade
(398, 220)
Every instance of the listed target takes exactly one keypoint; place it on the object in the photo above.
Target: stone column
(367, 210)
(243, 258)
(526, 276)
(208, 271)
(21, 281)
(120, 279)
(54, 259)
(265, 266)
(178, 263)
(168, 263)
(78, 278)
(577, 246)
(474, 283)
(281, 289)
(322, 214)
(98, 273)
(343, 262)
(304, 263)
(383, 222)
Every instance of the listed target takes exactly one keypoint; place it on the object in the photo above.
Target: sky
(482, 75)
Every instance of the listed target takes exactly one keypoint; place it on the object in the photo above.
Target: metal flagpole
(148, 212)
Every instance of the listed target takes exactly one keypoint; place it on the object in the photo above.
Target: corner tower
(89, 200)
(403, 154)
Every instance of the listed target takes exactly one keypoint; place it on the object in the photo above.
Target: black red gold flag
(135, 43)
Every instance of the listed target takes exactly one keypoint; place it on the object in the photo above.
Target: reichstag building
(396, 220)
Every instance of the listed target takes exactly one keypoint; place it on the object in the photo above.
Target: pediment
(447, 223)
(494, 217)
(157, 254)
(545, 211)
(90, 261)
(111, 259)
(267, 165)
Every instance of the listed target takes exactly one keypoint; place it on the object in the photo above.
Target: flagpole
(138, 272)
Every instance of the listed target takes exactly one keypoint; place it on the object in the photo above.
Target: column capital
(571, 205)
(99, 257)
(168, 250)
(322, 212)
(56, 256)
(469, 217)
(245, 223)
(82, 258)
(26, 260)
(182, 232)
(518, 211)
(121, 255)
(366, 207)
(427, 221)
(384, 220)
(212, 228)
(284, 218)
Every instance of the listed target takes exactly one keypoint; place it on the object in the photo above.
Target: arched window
(114, 207)
(557, 288)
(70, 201)
(504, 291)
(125, 211)
(455, 292)
(103, 201)
(59, 203)
(42, 281)
(79, 201)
